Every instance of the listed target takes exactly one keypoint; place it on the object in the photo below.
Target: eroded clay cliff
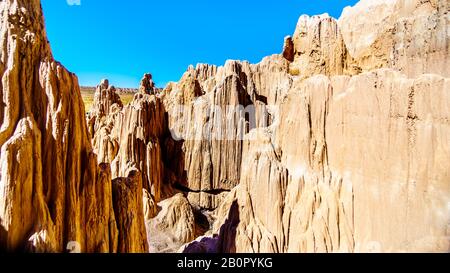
(53, 195)
(356, 158)
(338, 144)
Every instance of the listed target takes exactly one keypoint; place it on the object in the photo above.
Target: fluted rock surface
(408, 35)
(130, 137)
(363, 168)
(140, 128)
(128, 206)
(106, 103)
(319, 48)
(105, 97)
(355, 159)
(54, 197)
(210, 110)
(51, 190)
(338, 144)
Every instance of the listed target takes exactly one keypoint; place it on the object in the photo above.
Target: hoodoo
(53, 194)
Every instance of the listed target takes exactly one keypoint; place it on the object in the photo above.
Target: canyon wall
(54, 197)
(356, 158)
(338, 144)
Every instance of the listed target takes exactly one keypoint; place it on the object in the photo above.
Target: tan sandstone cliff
(338, 144)
(357, 158)
(53, 195)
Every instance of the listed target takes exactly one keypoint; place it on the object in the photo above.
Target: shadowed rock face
(53, 195)
(147, 85)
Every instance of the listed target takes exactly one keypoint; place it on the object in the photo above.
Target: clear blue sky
(121, 40)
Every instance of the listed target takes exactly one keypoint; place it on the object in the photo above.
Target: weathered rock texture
(356, 176)
(210, 110)
(173, 226)
(147, 85)
(338, 144)
(53, 195)
(106, 102)
(408, 35)
(128, 206)
(130, 138)
(355, 159)
(319, 48)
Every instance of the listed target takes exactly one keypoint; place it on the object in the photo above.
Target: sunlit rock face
(350, 174)
(356, 158)
(54, 197)
(130, 137)
(407, 35)
(338, 144)
(210, 110)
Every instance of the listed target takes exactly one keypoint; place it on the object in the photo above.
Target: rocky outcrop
(107, 105)
(53, 195)
(338, 144)
(130, 137)
(128, 206)
(147, 85)
(332, 188)
(319, 48)
(408, 35)
(139, 129)
(105, 98)
(207, 132)
(173, 226)
(351, 161)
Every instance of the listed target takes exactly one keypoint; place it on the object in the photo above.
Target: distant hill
(119, 90)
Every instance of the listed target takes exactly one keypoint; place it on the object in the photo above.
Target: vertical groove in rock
(344, 147)
(53, 195)
(352, 162)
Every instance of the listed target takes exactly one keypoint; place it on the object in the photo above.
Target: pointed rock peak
(22, 24)
(104, 84)
(147, 85)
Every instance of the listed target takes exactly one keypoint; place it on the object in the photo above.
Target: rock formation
(408, 35)
(107, 105)
(106, 102)
(210, 110)
(147, 85)
(319, 48)
(338, 144)
(53, 195)
(352, 161)
(128, 206)
(173, 226)
(130, 137)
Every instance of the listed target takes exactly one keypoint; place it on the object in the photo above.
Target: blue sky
(122, 40)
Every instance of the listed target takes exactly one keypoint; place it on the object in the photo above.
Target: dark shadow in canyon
(3, 236)
(225, 241)
(227, 234)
